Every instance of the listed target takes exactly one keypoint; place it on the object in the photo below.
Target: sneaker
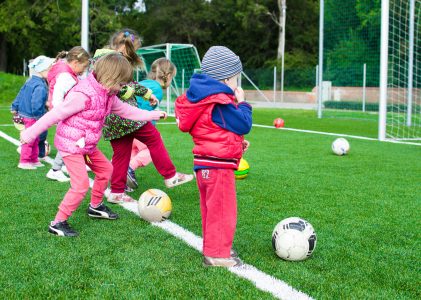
(38, 165)
(179, 178)
(131, 179)
(57, 175)
(26, 166)
(222, 262)
(62, 229)
(119, 198)
(233, 253)
(128, 189)
(102, 212)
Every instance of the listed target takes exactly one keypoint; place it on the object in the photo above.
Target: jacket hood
(203, 86)
(203, 92)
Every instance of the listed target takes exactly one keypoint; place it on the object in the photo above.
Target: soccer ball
(278, 123)
(294, 239)
(154, 205)
(340, 146)
(243, 169)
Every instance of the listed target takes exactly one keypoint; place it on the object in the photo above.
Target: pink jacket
(82, 115)
(59, 67)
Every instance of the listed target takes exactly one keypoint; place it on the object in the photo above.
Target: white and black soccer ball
(154, 205)
(294, 239)
(340, 146)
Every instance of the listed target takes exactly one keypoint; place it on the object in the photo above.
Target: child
(213, 111)
(30, 105)
(121, 132)
(159, 78)
(80, 120)
(61, 78)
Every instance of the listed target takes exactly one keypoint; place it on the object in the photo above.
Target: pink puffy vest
(87, 123)
(59, 67)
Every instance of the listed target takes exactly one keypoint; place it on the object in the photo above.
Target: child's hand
(162, 115)
(239, 94)
(153, 101)
(22, 139)
(246, 145)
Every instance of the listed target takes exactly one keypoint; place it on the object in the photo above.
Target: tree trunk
(3, 53)
(281, 29)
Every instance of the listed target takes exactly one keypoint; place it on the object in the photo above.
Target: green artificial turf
(365, 208)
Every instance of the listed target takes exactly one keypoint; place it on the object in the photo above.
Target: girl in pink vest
(62, 76)
(80, 120)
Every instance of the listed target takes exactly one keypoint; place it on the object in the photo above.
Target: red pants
(79, 181)
(122, 148)
(29, 151)
(218, 205)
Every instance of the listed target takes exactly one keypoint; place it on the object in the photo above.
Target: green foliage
(10, 86)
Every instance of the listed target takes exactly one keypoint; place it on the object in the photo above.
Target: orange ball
(278, 123)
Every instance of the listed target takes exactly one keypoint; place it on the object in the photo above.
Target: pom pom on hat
(221, 63)
(41, 63)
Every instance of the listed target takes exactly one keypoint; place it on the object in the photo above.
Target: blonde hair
(131, 41)
(161, 69)
(76, 53)
(113, 69)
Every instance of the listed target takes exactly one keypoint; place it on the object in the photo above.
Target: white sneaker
(26, 166)
(57, 175)
(119, 198)
(179, 178)
(38, 165)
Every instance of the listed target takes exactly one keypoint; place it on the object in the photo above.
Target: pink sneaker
(179, 178)
(26, 166)
(119, 198)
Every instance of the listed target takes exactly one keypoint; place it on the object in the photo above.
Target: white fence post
(364, 84)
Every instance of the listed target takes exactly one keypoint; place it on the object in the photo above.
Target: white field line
(336, 134)
(263, 281)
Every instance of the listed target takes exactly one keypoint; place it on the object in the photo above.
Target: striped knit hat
(221, 63)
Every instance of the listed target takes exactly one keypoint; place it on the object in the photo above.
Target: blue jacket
(156, 90)
(31, 99)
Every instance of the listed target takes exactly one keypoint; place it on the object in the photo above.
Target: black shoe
(101, 211)
(62, 229)
(131, 179)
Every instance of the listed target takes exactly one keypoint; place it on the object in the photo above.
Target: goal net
(403, 109)
(186, 60)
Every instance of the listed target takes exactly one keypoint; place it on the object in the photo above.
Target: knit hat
(221, 63)
(41, 63)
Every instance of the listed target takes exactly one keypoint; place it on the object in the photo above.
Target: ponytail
(76, 53)
(131, 41)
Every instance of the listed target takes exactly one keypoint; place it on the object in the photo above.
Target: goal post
(400, 71)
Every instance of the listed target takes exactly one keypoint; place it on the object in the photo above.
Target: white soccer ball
(294, 239)
(154, 205)
(340, 146)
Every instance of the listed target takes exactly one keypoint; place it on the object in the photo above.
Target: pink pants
(29, 152)
(141, 156)
(122, 148)
(218, 205)
(79, 181)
